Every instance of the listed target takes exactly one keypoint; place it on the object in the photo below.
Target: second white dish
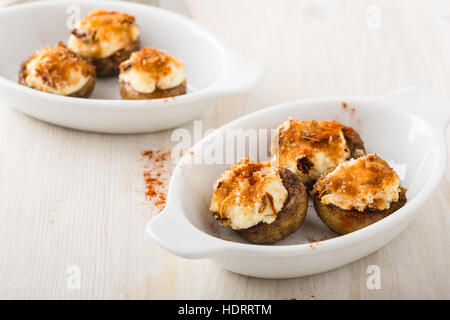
(406, 128)
(212, 70)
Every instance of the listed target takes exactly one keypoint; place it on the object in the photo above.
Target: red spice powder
(315, 241)
(345, 107)
(156, 175)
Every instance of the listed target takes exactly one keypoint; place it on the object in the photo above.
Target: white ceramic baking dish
(406, 128)
(212, 70)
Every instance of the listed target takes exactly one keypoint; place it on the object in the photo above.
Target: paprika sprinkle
(157, 171)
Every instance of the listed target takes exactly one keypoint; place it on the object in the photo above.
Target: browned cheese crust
(100, 27)
(306, 138)
(288, 220)
(346, 221)
(84, 92)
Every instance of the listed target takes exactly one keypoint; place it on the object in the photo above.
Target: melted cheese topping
(247, 194)
(102, 33)
(57, 70)
(310, 148)
(151, 68)
(364, 183)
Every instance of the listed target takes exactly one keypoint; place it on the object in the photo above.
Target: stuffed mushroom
(310, 148)
(107, 38)
(151, 74)
(263, 204)
(358, 193)
(58, 70)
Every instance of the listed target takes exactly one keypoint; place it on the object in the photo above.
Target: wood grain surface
(70, 198)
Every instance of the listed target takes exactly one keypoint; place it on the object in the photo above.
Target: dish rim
(218, 246)
(120, 104)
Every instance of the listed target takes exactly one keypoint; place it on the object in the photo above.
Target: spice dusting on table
(157, 171)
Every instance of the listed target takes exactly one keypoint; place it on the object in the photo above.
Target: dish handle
(241, 74)
(423, 103)
(174, 233)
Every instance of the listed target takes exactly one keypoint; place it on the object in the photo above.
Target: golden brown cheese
(247, 194)
(150, 68)
(364, 183)
(101, 33)
(310, 148)
(56, 70)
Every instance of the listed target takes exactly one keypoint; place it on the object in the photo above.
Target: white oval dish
(212, 70)
(406, 128)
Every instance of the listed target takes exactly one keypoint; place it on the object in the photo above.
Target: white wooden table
(70, 198)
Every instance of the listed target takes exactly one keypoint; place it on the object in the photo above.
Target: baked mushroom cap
(288, 220)
(129, 93)
(151, 74)
(311, 148)
(345, 221)
(58, 70)
(354, 142)
(86, 90)
(109, 66)
(263, 204)
(107, 38)
(357, 193)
